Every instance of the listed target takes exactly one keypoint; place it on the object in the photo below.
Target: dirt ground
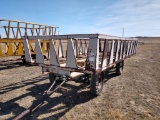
(133, 95)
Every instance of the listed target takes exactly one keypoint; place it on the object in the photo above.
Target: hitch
(40, 101)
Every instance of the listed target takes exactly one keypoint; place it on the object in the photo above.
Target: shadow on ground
(12, 64)
(70, 96)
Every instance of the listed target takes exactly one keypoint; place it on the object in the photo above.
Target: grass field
(133, 95)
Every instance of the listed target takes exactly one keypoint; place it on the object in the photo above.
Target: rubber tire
(85, 78)
(23, 60)
(52, 77)
(104, 74)
(95, 80)
(119, 68)
(45, 57)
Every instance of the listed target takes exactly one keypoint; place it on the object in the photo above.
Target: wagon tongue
(39, 102)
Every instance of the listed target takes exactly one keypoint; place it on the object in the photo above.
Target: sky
(111, 17)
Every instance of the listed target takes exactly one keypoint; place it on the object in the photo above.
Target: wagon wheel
(96, 84)
(86, 78)
(23, 58)
(104, 74)
(45, 57)
(119, 68)
(52, 77)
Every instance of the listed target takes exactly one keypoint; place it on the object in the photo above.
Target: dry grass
(114, 114)
(133, 95)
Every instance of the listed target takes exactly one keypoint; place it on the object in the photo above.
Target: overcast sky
(137, 17)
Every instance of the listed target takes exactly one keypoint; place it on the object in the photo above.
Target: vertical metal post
(17, 30)
(92, 60)
(32, 29)
(26, 28)
(9, 23)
